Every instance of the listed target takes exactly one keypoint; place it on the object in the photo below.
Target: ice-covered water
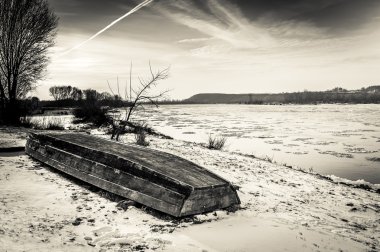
(343, 140)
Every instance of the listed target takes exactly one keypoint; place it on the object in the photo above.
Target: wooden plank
(192, 207)
(210, 199)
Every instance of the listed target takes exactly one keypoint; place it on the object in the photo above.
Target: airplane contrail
(146, 2)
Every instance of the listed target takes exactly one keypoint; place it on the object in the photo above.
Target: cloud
(222, 21)
(336, 17)
(295, 25)
(195, 40)
(136, 8)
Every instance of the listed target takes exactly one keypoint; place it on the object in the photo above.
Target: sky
(217, 46)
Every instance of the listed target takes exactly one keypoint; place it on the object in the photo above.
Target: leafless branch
(109, 86)
(142, 95)
(118, 87)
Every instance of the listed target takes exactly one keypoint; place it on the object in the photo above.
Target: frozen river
(343, 140)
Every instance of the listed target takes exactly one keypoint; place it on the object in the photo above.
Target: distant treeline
(337, 95)
(68, 96)
(71, 97)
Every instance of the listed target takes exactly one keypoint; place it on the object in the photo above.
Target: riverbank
(282, 209)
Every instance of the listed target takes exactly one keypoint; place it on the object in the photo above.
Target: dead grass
(47, 123)
(216, 142)
(140, 137)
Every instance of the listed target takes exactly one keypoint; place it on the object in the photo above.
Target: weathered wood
(162, 181)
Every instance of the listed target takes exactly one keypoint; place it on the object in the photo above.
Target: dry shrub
(92, 114)
(216, 142)
(47, 123)
(140, 137)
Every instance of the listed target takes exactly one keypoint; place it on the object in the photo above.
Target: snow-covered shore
(282, 209)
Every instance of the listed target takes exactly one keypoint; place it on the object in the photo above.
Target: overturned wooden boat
(159, 180)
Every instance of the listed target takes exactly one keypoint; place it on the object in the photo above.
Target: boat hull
(135, 173)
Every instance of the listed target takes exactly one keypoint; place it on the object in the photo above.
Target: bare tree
(57, 92)
(27, 30)
(76, 94)
(65, 93)
(91, 95)
(138, 98)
